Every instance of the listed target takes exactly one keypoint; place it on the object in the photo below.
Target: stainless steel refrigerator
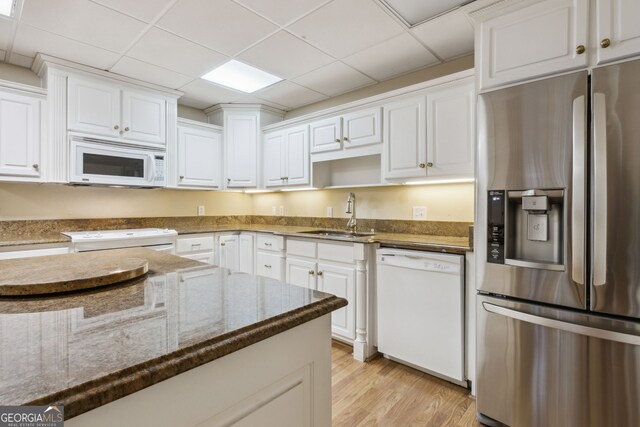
(558, 250)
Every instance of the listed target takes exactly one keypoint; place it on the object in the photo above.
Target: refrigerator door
(615, 270)
(541, 366)
(532, 142)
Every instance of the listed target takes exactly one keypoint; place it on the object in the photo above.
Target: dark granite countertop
(428, 242)
(86, 349)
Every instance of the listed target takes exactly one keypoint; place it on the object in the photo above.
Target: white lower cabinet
(341, 269)
(270, 256)
(236, 252)
(228, 252)
(246, 253)
(199, 247)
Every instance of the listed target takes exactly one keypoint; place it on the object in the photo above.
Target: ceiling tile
(334, 79)
(285, 56)
(84, 21)
(149, 73)
(219, 24)
(30, 40)
(449, 35)
(145, 10)
(212, 93)
(289, 94)
(194, 103)
(344, 27)
(282, 11)
(167, 50)
(250, 99)
(6, 28)
(393, 57)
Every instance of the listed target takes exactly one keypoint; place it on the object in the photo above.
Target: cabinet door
(241, 140)
(326, 135)
(268, 265)
(450, 131)
(199, 157)
(362, 128)
(228, 250)
(246, 253)
(297, 156)
(340, 281)
(94, 107)
(301, 272)
(274, 158)
(19, 136)
(405, 139)
(143, 117)
(617, 22)
(533, 41)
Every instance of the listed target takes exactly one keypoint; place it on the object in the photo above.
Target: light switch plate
(329, 212)
(273, 210)
(281, 210)
(200, 210)
(420, 212)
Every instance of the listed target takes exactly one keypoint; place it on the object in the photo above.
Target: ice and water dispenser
(526, 228)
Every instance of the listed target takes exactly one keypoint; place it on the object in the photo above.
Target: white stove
(159, 239)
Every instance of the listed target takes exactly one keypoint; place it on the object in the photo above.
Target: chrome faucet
(351, 209)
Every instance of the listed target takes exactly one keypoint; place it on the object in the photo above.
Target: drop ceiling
(321, 48)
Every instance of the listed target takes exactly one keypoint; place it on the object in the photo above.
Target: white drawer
(206, 257)
(269, 242)
(341, 252)
(269, 265)
(304, 248)
(194, 243)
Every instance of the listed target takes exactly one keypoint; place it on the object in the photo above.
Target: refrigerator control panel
(495, 233)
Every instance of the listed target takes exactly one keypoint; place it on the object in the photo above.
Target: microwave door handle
(578, 191)
(152, 168)
(599, 190)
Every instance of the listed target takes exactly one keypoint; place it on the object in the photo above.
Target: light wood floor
(385, 393)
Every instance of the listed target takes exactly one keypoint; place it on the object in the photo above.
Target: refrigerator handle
(563, 326)
(599, 189)
(578, 191)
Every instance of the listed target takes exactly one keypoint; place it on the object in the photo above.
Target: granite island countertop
(86, 349)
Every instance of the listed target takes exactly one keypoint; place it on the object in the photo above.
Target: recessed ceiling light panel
(240, 76)
(415, 12)
(6, 7)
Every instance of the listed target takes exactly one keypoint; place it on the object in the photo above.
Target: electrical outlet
(281, 210)
(200, 210)
(420, 213)
(329, 212)
(273, 210)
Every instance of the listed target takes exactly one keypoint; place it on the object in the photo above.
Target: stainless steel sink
(337, 233)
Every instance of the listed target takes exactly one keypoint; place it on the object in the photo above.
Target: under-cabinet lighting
(299, 189)
(440, 181)
(259, 191)
(6, 7)
(240, 76)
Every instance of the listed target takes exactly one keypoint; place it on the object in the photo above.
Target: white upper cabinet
(19, 137)
(351, 130)
(543, 38)
(241, 143)
(405, 139)
(286, 157)
(618, 31)
(199, 156)
(362, 128)
(451, 130)
(109, 110)
(326, 135)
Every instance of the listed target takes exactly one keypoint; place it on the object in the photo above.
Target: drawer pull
(267, 266)
(268, 244)
(311, 272)
(319, 273)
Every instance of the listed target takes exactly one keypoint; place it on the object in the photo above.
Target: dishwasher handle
(438, 263)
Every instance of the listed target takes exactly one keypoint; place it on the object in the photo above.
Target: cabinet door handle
(116, 127)
(337, 139)
(228, 180)
(422, 165)
(126, 129)
(605, 43)
(36, 166)
(221, 244)
(345, 139)
(429, 165)
(311, 272)
(181, 176)
(319, 273)
(580, 49)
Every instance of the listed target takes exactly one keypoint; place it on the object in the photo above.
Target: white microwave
(99, 162)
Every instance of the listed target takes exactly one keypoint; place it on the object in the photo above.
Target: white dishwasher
(420, 308)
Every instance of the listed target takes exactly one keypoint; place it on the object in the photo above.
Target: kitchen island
(187, 344)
